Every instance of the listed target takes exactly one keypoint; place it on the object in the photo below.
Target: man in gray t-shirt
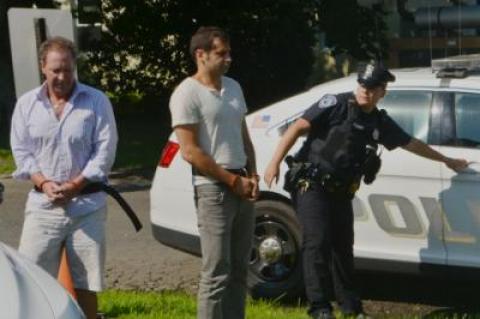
(208, 117)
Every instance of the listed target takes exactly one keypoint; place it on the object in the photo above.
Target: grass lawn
(176, 305)
(6, 161)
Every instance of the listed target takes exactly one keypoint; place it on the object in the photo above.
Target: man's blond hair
(56, 44)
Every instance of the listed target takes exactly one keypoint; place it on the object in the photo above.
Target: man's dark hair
(203, 39)
(56, 44)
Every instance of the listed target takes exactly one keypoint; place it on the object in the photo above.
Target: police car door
(394, 216)
(460, 196)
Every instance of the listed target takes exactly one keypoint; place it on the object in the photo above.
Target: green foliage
(141, 139)
(7, 165)
(145, 45)
(353, 29)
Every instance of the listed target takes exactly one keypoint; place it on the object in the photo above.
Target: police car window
(410, 109)
(467, 113)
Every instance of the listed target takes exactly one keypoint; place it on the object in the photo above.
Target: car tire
(275, 269)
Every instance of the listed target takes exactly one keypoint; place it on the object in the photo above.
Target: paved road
(134, 260)
(137, 261)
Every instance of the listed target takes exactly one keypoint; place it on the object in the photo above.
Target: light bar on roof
(467, 62)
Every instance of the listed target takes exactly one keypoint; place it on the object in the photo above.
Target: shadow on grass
(118, 310)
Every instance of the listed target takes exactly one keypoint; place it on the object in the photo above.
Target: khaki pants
(46, 230)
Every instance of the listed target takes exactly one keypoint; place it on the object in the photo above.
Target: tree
(353, 29)
(351, 33)
(144, 46)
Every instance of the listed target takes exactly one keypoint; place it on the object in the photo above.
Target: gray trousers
(225, 223)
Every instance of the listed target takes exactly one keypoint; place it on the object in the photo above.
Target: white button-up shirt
(83, 141)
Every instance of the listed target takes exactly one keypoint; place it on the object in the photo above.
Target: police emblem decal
(376, 134)
(327, 100)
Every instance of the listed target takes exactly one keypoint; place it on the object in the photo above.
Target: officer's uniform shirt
(332, 110)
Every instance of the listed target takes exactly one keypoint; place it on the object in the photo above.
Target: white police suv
(417, 217)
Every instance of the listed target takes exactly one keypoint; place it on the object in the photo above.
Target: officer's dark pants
(327, 249)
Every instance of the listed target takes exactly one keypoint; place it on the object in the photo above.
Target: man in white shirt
(63, 136)
(208, 117)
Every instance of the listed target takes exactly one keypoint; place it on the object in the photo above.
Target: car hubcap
(270, 250)
(274, 253)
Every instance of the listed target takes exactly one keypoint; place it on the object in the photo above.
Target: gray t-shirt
(219, 115)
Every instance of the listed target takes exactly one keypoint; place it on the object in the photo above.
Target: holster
(371, 166)
(336, 186)
(297, 171)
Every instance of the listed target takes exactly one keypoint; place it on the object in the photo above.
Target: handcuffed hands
(60, 194)
(246, 187)
(70, 189)
(53, 191)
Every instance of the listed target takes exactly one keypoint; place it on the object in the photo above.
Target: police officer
(343, 133)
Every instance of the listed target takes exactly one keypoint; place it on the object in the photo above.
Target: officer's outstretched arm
(420, 148)
(300, 127)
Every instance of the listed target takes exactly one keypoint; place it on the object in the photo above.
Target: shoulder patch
(327, 100)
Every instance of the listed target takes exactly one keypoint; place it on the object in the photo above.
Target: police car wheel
(275, 268)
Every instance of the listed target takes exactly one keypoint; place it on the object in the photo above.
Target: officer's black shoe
(322, 314)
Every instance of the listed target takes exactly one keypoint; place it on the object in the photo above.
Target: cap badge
(368, 71)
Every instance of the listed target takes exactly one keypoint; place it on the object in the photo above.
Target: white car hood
(27, 291)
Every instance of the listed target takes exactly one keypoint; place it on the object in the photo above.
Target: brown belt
(238, 171)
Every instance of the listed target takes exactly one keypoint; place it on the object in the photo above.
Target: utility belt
(338, 186)
(301, 176)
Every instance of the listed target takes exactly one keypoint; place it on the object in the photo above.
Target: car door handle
(473, 168)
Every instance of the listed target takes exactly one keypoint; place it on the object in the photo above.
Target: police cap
(374, 74)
